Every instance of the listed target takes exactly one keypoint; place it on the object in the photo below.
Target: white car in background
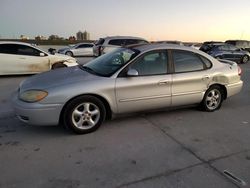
(80, 49)
(24, 58)
(108, 44)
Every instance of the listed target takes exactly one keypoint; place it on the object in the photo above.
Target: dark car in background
(242, 44)
(207, 46)
(229, 52)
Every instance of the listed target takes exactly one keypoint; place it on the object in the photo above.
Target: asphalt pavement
(177, 148)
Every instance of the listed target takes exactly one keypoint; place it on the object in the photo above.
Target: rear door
(84, 50)
(190, 77)
(151, 89)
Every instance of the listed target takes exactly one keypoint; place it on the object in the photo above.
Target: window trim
(196, 54)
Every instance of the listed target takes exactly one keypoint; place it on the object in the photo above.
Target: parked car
(242, 44)
(24, 58)
(196, 46)
(139, 78)
(229, 52)
(104, 45)
(80, 49)
(206, 46)
(170, 42)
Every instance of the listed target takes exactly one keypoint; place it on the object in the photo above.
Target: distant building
(82, 35)
(86, 35)
(40, 37)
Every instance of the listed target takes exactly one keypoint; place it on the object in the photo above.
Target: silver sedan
(138, 78)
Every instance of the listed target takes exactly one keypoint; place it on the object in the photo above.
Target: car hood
(57, 77)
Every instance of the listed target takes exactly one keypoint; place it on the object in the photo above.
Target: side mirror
(132, 73)
(42, 54)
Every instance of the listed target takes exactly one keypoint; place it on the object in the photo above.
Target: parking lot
(182, 147)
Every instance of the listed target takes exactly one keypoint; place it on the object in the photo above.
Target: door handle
(163, 82)
(22, 58)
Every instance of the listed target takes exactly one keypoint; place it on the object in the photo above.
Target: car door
(237, 53)
(84, 50)
(23, 59)
(150, 89)
(190, 77)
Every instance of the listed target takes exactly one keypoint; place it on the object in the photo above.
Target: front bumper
(233, 89)
(37, 113)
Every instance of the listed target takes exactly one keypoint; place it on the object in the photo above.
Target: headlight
(33, 95)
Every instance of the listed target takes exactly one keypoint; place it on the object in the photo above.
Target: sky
(184, 20)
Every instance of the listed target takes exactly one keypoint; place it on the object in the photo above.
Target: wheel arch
(104, 101)
(223, 87)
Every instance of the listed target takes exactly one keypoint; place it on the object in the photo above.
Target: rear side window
(185, 61)
(85, 46)
(135, 41)
(8, 48)
(117, 42)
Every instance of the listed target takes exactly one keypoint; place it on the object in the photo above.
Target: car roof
(159, 46)
(16, 42)
(122, 37)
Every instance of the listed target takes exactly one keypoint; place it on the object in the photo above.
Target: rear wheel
(245, 59)
(84, 114)
(213, 99)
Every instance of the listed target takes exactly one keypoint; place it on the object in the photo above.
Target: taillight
(239, 71)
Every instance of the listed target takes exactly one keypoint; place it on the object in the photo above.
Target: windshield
(107, 64)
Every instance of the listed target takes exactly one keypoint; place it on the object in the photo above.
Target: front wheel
(69, 54)
(84, 114)
(58, 65)
(213, 99)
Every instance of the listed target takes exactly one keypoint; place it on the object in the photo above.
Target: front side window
(185, 61)
(107, 64)
(232, 48)
(26, 50)
(153, 63)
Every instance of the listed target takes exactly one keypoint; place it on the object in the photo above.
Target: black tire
(245, 59)
(69, 53)
(84, 114)
(213, 99)
(58, 65)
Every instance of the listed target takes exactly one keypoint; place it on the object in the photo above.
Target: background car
(170, 42)
(206, 46)
(229, 52)
(24, 58)
(80, 49)
(242, 44)
(104, 45)
(139, 78)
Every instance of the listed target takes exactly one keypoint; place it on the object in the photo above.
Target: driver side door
(150, 89)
